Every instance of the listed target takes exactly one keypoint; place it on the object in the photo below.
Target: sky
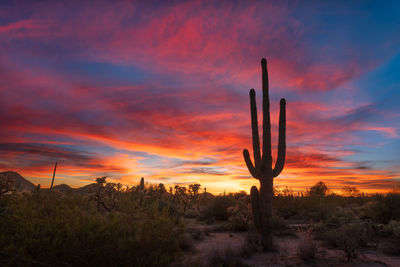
(160, 90)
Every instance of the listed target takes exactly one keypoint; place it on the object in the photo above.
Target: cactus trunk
(54, 175)
(262, 170)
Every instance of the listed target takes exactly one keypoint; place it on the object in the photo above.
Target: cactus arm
(266, 151)
(254, 128)
(253, 171)
(255, 206)
(280, 161)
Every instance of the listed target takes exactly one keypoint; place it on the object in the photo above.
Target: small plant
(252, 244)
(348, 238)
(239, 214)
(308, 247)
(280, 227)
(394, 228)
(217, 208)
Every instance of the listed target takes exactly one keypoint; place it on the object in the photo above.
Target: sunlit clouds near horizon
(132, 89)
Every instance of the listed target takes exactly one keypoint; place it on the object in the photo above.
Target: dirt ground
(213, 239)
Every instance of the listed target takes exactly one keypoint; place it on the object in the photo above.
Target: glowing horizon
(130, 90)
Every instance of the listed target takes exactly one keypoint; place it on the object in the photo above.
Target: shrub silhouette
(318, 190)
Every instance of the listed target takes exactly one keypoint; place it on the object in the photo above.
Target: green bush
(240, 215)
(287, 207)
(348, 238)
(382, 209)
(217, 208)
(393, 227)
(280, 227)
(340, 216)
(307, 249)
(47, 228)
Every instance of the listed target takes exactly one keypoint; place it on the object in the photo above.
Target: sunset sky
(159, 89)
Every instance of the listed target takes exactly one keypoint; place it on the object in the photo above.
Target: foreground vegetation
(148, 225)
(53, 228)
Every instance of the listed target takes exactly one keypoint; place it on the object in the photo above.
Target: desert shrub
(280, 226)
(393, 227)
(309, 207)
(340, 216)
(318, 190)
(316, 205)
(308, 246)
(392, 204)
(287, 207)
(252, 244)
(217, 208)
(351, 191)
(382, 209)
(52, 229)
(372, 210)
(348, 238)
(317, 208)
(239, 215)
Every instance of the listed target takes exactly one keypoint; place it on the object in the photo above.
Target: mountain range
(23, 185)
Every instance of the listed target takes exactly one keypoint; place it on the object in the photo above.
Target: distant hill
(23, 185)
(86, 189)
(207, 194)
(20, 183)
(63, 188)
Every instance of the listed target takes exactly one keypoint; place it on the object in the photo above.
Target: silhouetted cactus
(255, 207)
(105, 194)
(54, 175)
(141, 186)
(262, 170)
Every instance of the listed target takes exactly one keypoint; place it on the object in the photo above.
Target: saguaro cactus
(54, 175)
(261, 200)
(141, 185)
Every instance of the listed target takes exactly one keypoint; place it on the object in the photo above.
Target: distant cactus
(141, 186)
(262, 170)
(54, 175)
(36, 192)
(105, 194)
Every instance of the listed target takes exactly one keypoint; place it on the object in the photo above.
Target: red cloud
(209, 51)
